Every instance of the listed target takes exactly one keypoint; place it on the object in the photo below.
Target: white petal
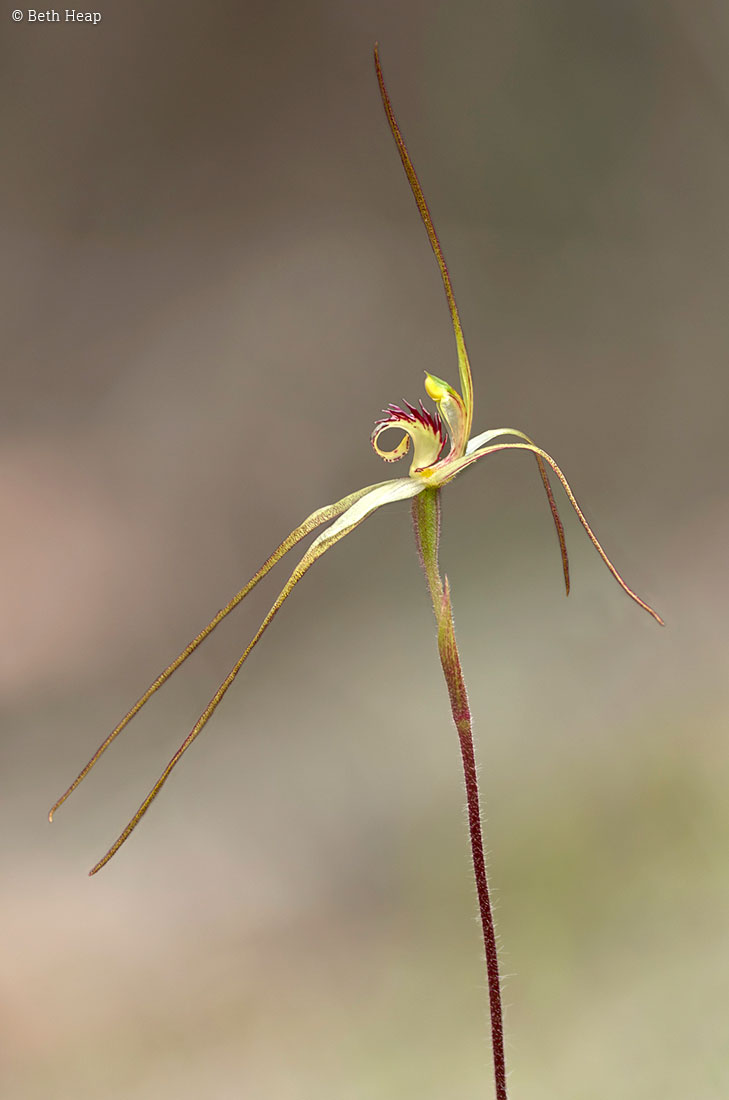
(399, 489)
(486, 437)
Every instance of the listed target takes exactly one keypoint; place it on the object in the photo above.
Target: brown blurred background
(213, 279)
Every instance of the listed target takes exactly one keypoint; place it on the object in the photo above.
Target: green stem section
(426, 518)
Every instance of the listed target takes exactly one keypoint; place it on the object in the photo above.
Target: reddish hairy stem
(426, 517)
(487, 920)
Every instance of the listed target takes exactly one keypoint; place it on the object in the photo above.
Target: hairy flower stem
(426, 519)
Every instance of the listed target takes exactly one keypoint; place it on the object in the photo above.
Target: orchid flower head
(442, 447)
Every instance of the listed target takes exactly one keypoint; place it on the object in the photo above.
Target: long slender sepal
(481, 453)
(485, 437)
(362, 507)
(557, 524)
(322, 515)
(426, 519)
(464, 367)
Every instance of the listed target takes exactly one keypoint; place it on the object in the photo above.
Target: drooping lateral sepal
(547, 459)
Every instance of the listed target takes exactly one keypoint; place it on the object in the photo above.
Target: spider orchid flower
(442, 447)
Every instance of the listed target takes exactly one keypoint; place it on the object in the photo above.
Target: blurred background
(213, 279)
